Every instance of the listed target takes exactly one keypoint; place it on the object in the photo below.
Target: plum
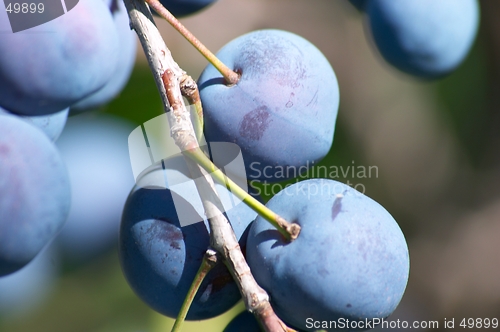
(350, 260)
(425, 38)
(124, 63)
(160, 254)
(282, 111)
(47, 68)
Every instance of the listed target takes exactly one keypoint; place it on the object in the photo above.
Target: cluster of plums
(350, 260)
(75, 62)
(69, 193)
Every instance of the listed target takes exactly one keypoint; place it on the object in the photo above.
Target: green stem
(208, 262)
(198, 122)
(289, 230)
(231, 76)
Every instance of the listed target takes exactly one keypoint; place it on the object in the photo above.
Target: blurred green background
(436, 146)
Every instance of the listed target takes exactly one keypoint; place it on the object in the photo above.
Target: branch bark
(168, 77)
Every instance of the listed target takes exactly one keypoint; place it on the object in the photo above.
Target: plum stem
(231, 76)
(209, 261)
(289, 230)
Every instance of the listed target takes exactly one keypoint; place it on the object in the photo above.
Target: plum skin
(159, 258)
(425, 38)
(52, 125)
(282, 111)
(35, 193)
(124, 62)
(349, 261)
(47, 68)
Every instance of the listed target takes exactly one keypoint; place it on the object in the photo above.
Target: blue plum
(359, 4)
(244, 322)
(52, 125)
(47, 68)
(34, 193)
(94, 149)
(181, 8)
(283, 110)
(160, 256)
(124, 63)
(425, 38)
(350, 260)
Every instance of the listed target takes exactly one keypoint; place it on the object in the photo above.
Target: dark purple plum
(283, 110)
(52, 125)
(424, 38)
(160, 256)
(350, 260)
(47, 68)
(34, 193)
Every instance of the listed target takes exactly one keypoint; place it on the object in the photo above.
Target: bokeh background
(436, 146)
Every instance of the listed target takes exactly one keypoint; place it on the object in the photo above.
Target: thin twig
(231, 76)
(209, 261)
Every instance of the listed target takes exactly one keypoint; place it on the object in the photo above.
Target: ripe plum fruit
(124, 63)
(282, 111)
(425, 38)
(160, 256)
(349, 261)
(47, 68)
